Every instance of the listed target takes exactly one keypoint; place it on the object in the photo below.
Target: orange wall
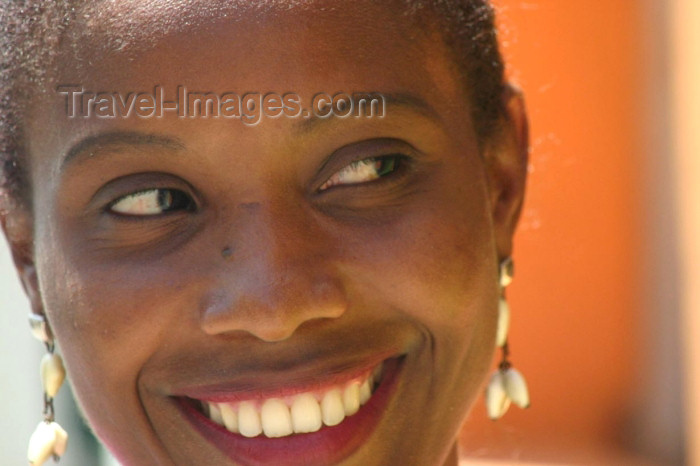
(576, 296)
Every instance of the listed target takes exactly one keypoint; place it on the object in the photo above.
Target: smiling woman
(304, 291)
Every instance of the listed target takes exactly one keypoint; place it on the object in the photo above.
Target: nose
(279, 275)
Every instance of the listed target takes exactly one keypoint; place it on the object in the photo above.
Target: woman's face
(254, 266)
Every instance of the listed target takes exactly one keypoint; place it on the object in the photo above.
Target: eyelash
(178, 200)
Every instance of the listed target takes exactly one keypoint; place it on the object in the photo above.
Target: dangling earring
(49, 438)
(506, 384)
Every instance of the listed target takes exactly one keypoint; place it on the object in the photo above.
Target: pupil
(170, 199)
(165, 198)
(387, 165)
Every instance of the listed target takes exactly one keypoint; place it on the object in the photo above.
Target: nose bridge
(290, 231)
(279, 276)
(284, 242)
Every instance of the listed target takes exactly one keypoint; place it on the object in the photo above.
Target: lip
(329, 445)
(280, 385)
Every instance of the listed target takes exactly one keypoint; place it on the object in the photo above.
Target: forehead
(285, 37)
(304, 47)
(133, 24)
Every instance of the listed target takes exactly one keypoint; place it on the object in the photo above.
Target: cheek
(107, 322)
(437, 267)
(438, 261)
(112, 315)
(446, 283)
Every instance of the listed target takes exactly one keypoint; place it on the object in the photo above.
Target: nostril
(271, 332)
(265, 326)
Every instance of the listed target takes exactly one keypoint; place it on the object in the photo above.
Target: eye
(152, 202)
(363, 171)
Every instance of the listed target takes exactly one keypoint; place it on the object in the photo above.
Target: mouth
(317, 424)
(300, 413)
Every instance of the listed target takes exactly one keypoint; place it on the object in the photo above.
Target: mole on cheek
(226, 252)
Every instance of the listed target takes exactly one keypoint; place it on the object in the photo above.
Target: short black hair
(31, 31)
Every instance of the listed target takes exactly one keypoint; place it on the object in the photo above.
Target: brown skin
(405, 265)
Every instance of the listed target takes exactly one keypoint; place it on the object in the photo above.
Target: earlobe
(506, 163)
(17, 226)
(30, 283)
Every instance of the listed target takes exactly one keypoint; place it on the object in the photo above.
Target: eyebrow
(391, 100)
(93, 144)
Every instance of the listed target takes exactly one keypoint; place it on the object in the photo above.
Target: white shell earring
(49, 439)
(506, 384)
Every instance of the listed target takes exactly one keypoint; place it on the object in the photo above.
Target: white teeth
(303, 413)
(332, 408)
(365, 392)
(228, 413)
(276, 419)
(306, 414)
(249, 420)
(351, 399)
(215, 414)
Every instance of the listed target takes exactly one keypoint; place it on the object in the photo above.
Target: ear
(506, 164)
(18, 228)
